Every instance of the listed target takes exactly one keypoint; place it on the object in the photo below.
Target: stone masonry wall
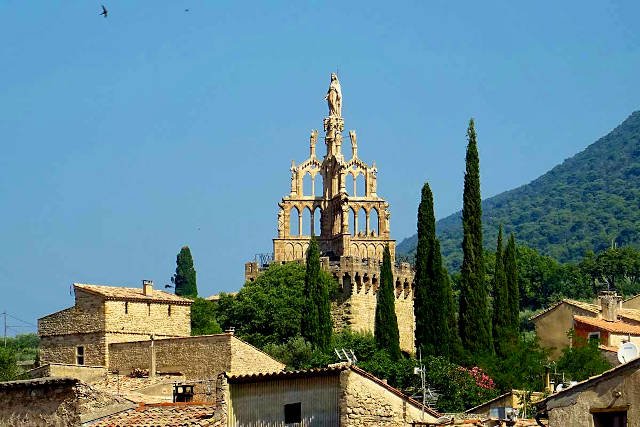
(355, 308)
(47, 402)
(199, 357)
(366, 403)
(86, 316)
(62, 348)
(246, 359)
(142, 318)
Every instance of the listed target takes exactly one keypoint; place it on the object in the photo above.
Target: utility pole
(4, 314)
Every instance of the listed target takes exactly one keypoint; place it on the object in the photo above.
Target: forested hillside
(580, 205)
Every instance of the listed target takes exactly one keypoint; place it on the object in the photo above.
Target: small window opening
(293, 413)
(126, 308)
(593, 336)
(80, 355)
(169, 311)
(148, 309)
(610, 418)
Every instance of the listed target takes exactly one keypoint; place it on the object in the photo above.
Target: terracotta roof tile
(122, 293)
(162, 414)
(615, 327)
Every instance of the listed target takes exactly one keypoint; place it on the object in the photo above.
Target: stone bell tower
(353, 224)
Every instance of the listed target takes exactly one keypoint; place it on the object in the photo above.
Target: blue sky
(125, 138)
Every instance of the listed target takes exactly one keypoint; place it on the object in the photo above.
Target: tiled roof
(629, 313)
(131, 294)
(329, 370)
(593, 308)
(615, 327)
(161, 414)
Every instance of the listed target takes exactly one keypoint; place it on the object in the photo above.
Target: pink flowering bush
(481, 378)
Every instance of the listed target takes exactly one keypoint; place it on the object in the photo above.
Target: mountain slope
(579, 205)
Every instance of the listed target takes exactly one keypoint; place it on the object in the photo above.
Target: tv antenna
(346, 355)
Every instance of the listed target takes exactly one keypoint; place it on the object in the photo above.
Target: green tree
(316, 313)
(269, 310)
(501, 314)
(512, 307)
(582, 360)
(185, 278)
(8, 367)
(474, 320)
(432, 302)
(386, 323)
(615, 269)
(203, 318)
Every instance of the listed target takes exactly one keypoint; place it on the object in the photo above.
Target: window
(126, 308)
(169, 311)
(593, 336)
(613, 418)
(80, 355)
(293, 413)
(148, 309)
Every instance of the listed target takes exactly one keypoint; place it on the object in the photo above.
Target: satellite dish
(560, 387)
(627, 352)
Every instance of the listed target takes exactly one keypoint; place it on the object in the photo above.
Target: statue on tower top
(334, 97)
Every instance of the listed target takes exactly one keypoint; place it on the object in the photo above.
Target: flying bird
(104, 11)
(186, 10)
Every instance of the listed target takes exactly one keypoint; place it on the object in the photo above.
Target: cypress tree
(386, 331)
(432, 295)
(501, 313)
(310, 322)
(474, 321)
(185, 278)
(513, 292)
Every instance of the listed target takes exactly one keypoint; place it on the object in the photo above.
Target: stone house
(102, 315)
(340, 394)
(609, 399)
(513, 399)
(553, 324)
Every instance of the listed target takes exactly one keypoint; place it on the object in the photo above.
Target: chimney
(147, 287)
(610, 302)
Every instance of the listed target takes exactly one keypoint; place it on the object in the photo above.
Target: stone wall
(355, 307)
(62, 348)
(363, 402)
(247, 359)
(87, 317)
(87, 374)
(199, 357)
(142, 318)
(51, 402)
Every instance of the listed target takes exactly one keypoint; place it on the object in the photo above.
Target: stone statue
(334, 97)
(281, 223)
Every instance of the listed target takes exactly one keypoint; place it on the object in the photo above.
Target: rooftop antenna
(346, 355)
